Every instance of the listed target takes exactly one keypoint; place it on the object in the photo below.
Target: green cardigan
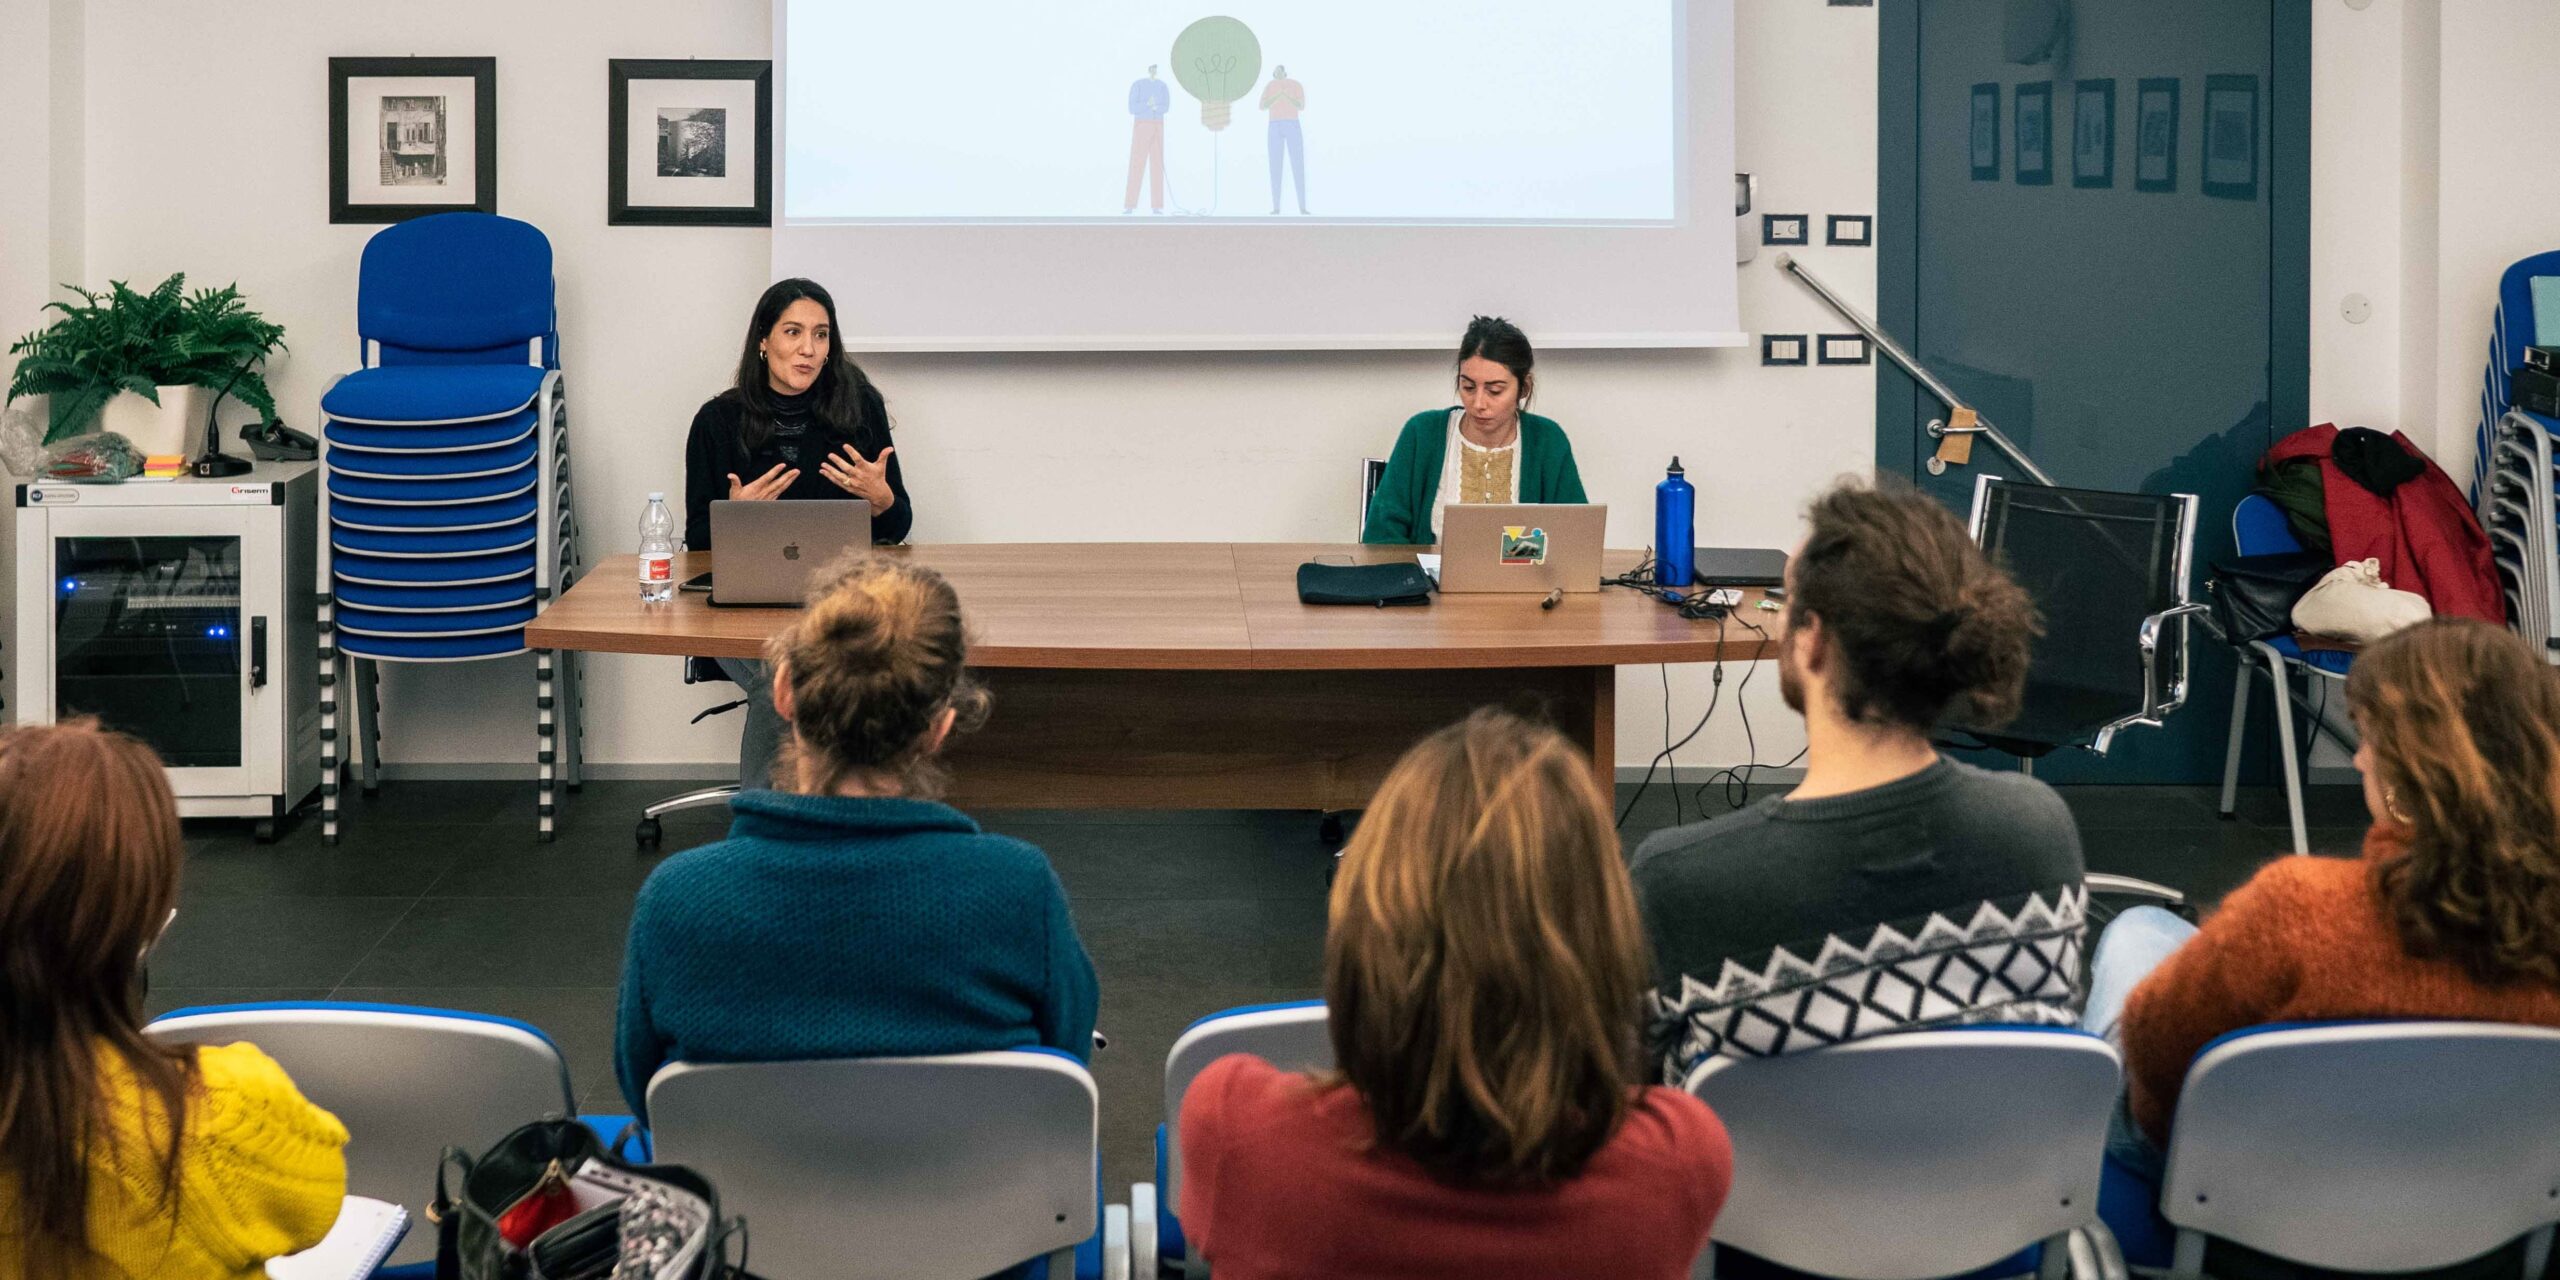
(1407, 503)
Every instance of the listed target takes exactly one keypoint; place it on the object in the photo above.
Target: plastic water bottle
(1675, 508)
(657, 552)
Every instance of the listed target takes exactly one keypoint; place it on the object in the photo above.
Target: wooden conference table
(1188, 675)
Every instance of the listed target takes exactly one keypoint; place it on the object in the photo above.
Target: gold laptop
(1531, 548)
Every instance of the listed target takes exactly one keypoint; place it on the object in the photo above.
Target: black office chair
(651, 831)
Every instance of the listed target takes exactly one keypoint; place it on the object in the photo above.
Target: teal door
(2094, 226)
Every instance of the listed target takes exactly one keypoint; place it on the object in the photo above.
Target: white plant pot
(173, 426)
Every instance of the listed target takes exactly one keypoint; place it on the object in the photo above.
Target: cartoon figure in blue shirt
(1148, 101)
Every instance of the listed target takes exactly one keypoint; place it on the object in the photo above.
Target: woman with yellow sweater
(119, 1157)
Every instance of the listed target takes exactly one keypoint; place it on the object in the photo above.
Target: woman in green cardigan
(1486, 450)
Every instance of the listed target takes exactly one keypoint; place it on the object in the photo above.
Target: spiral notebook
(366, 1232)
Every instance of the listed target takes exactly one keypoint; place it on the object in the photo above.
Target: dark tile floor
(439, 895)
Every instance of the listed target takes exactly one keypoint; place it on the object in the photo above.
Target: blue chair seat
(435, 466)
(435, 542)
(429, 493)
(452, 571)
(453, 516)
(435, 598)
(367, 622)
(2333, 661)
(440, 439)
(417, 395)
(495, 644)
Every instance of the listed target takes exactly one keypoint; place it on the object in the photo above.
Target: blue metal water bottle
(1675, 508)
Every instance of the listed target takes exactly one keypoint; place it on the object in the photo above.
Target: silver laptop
(762, 553)
(1524, 547)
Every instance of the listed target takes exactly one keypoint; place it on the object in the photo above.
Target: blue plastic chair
(2386, 1146)
(446, 453)
(2511, 330)
(1973, 1151)
(2258, 528)
(937, 1168)
(1293, 1037)
(406, 1081)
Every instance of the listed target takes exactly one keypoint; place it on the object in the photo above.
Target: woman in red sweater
(1483, 969)
(2452, 912)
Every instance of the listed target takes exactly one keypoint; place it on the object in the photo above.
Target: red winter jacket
(2424, 534)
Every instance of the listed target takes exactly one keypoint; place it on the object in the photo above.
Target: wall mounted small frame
(689, 143)
(1783, 348)
(412, 136)
(1842, 348)
(1983, 132)
(2231, 137)
(2035, 134)
(2155, 135)
(1786, 228)
(2093, 133)
(1853, 229)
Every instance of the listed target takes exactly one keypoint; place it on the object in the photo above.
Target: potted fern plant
(146, 365)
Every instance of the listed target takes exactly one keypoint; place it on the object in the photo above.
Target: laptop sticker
(1523, 544)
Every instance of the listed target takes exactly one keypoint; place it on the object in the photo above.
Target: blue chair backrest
(1925, 1153)
(2368, 1146)
(1292, 1037)
(406, 1081)
(457, 288)
(940, 1168)
(2259, 528)
(2512, 328)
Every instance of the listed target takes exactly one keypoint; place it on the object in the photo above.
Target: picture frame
(409, 137)
(1983, 133)
(2034, 132)
(689, 142)
(2230, 168)
(2155, 135)
(2093, 133)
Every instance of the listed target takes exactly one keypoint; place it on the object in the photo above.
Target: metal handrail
(1930, 381)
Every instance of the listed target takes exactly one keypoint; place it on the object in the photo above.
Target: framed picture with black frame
(689, 143)
(2035, 134)
(2231, 137)
(2093, 133)
(2155, 135)
(410, 137)
(1984, 133)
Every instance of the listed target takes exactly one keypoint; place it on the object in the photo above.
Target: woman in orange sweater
(2452, 912)
(120, 1157)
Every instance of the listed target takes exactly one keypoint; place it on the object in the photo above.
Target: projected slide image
(1170, 110)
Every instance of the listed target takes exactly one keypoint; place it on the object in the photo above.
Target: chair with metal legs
(651, 831)
(2258, 528)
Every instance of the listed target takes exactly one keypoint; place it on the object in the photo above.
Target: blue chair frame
(2258, 528)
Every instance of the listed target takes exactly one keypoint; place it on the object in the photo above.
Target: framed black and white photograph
(2155, 135)
(2231, 137)
(1985, 133)
(2035, 134)
(2093, 133)
(691, 143)
(412, 136)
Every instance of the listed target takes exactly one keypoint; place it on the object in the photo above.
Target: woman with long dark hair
(119, 1156)
(802, 422)
(1487, 449)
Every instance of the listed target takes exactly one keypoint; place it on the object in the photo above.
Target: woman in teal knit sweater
(852, 916)
(1486, 450)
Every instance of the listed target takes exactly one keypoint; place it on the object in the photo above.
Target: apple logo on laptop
(791, 551)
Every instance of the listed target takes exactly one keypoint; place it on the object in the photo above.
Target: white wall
(997, 448)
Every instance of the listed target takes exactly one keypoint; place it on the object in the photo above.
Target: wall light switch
(1786, 228)
(1782, 348)
(1851, 229)
(1843, 348)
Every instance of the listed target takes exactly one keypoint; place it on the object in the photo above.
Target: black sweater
(715, 450)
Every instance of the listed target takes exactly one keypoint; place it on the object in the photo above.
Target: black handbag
(1402, 582)
(2253, 596)
(565, 1159)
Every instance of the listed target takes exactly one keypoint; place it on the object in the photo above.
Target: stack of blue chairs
(447, 461)
(2512, 476)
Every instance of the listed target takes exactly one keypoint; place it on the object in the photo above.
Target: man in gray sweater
(1894, 889)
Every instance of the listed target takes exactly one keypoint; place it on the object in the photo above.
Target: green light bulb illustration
(1217, 60)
